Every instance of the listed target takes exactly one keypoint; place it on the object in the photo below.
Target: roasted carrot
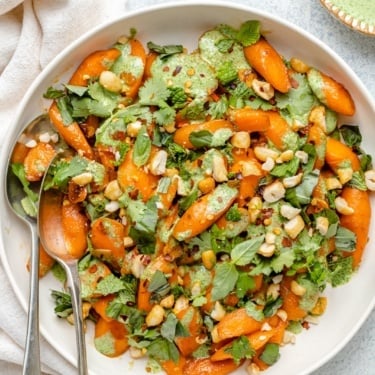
(269, 64)
(235, 324)
(204, 366)
(331, 93)
(181, 135)
(110, 337)
(107, 238)
(19, 153)
(279, 130)
(251, 120)
(75, 229)
(338, 154)
(72, 133)
(37, 160)
(46, 262)
(204, 212)
(93, 65)
(359, 221)
(188, 344)
(136, 179)
(144, 302)
(291, 301)
(174, 368)
(101, 305)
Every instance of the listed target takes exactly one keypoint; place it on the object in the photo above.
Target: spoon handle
(31, 361)
(75, 290)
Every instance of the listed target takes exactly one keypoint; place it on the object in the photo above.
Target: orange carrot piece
(144, 302)
(37, 161)
(110, 337)
(318, 138)
(278, 130)
(204, 366)
(133, 83)
(269, 64)
(181, 135)
(46, 262)
(339, 153)
(174, 368)
(187, 345)
(257, 340)
(137, 178)
(75, 229)
(19, 153)
(331, 93)
(100, 306)
(72, 133)
(150, 58)
(204, 212)
(251, 120)
(291, 301)
(234, 324)
(359, 221)
(93, 65)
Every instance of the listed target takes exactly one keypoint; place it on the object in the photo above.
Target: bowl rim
(65, 52)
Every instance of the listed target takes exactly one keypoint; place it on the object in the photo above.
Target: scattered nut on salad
(215, 194)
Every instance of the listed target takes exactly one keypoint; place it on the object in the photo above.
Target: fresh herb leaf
(53, 93)
(233, 214)
(271, 354)
(63, 304)
(243, 253)
(225, 279)
(65, 108)
(245, 283)
(249, 33)
(78, 90)
(240, 349)
(254, 311)
(351, 135)
(202, 138)
(18, 170)
(271, 307)
(300, 195)
(144, 216)
(341, 270)
(159, 285)
(345, 239)
(165, 51)
(163, 350)
(153, 92)
(142, 147)
(286, 169)
(109, 285)
(226, 73)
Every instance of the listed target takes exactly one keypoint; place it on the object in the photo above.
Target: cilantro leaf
(233, 214)
(226, 73)
(18, 170)
(253, 310)
(245, 283)
(53, 93)
(158, 285)
(153, 92)
(300, 195)
(65, 108)
(341, 270)
(240, 349)
(202, 138)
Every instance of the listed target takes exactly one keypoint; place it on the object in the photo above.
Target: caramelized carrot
(234, 324)
(174, 368)
(144, 302)
(101, 305)
(75, 229)
(278, 131)
(136, 178)
(291, 301)
(19, 153)
(46, 262)
(187, 345)
(93, 65)
(37, 161)
(110, 337)
(72, 133)
(204, 366)
(131, 82)
(359, 221)
(269, 64)
(181, 135)
(338, 154)
(251, 120)
(204, 212)
(331, 93)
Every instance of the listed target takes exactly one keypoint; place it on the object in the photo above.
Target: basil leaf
(142, 148)
(202, 138)
(243, 253)
(225, 279)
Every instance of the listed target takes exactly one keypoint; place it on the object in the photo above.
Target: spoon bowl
(52, 237)
(22, 197)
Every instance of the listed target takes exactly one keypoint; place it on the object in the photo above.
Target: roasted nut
(110, 81)
(274, 192)
(294, 226)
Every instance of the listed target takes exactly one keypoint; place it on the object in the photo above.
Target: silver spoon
(15, 193)
(52, 238)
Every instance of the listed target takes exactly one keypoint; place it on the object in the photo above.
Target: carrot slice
(204, 366)
(269, 64)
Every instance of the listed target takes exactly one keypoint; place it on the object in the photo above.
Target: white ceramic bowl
(348, 306)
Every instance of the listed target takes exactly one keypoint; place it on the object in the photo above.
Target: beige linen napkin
(31, 34)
